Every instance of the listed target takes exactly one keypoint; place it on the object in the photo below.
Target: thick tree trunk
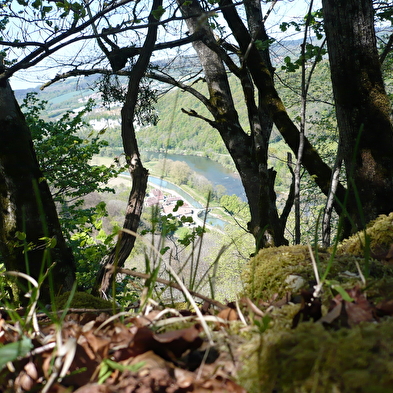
(362, 107)
(139, 174)
(26, 204)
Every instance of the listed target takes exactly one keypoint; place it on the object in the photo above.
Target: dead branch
(170, 284)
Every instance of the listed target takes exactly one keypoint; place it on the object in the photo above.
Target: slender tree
(249, 152)
(138, 173)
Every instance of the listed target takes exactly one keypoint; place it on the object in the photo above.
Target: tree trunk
(27, 206)
(139, 174)
(272, 103)
(249, 152)
(362, 107)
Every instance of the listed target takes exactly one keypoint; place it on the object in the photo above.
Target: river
(211, 170)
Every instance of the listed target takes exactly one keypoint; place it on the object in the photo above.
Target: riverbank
(196, 209)
(213, 172)
(194, 198)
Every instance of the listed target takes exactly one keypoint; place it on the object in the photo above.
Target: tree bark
(139, 174)
(362, 107)
(27, 206)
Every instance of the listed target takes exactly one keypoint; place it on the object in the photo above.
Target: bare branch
(125, 53)
(193, 113)
(168, 79)
(159, 77)
(48, 48)
(22, 44)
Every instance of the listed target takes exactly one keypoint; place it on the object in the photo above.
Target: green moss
(271, 270)
(312, 359)
(265, 274)
(82, 300)
(380, 234)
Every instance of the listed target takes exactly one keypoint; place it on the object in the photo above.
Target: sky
(284, 10)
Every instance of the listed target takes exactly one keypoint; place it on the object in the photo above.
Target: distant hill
(68, 94)
(176, 132)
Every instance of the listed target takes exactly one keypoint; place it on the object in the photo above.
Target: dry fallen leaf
(228, 314)
(176, 342)
(384, 308)
(343, 313)
(93, 388)
(161, 354)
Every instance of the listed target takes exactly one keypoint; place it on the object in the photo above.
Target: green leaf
(344, 294)
(116, 366)
(20, 235)
(11, 352)
(52, 242)
(263, 324)
(158, 12)
(285, 26)
(263, 45)
(107, 366)
(164, 250)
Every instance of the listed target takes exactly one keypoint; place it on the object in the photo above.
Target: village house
(168, 203)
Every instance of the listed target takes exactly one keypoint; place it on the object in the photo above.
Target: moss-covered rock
(379, 233)
(313, 359)
(266, 273)
(279, 270)
(82, 300)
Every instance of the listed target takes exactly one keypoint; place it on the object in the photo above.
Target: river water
(211, 170)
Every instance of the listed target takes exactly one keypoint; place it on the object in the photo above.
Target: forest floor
(285, 344)
(281, 339)
(234, 349)
(94, 351)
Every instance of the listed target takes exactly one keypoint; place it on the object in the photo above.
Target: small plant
(263, 324)
(108, 366)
